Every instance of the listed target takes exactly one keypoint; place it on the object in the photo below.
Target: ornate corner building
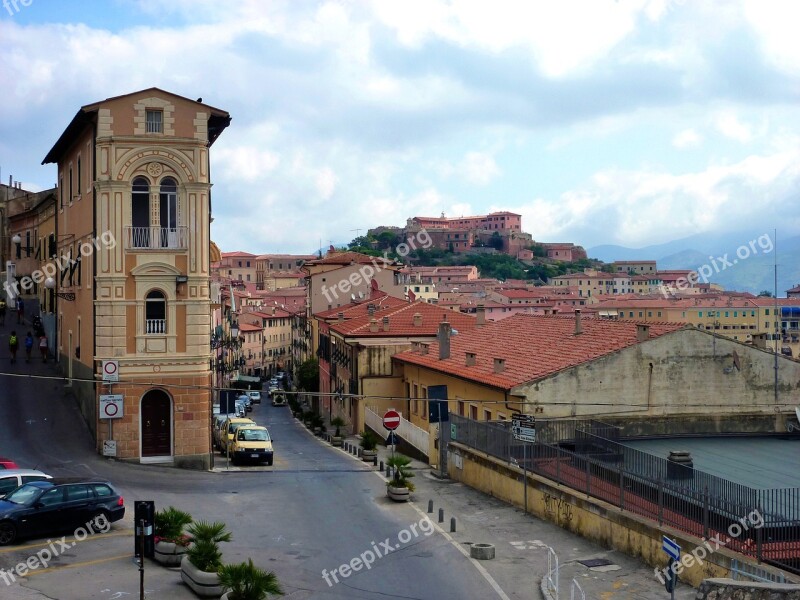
(133, 246)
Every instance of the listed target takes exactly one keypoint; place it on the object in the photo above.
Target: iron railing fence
(762, 523)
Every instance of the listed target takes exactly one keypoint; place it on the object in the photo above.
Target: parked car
(255, 396)
(11, 479)
(252, 443)
(7, 463)
(230, 427)
(246, 400)
(55, 505)
(217, 427)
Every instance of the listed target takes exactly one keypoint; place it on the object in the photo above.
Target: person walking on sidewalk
(13, 344)
(28, 346)
(43, 347)
(20, 310)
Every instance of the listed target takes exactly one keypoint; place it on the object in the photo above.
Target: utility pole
(775, 298)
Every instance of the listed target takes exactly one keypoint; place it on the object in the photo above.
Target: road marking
(97, 536)
(78, 564)
(530, 545)
(481, 569)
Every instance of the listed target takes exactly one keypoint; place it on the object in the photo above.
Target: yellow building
(134, 221)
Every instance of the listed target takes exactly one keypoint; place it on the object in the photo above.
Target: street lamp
(16, 239)
(50, 284)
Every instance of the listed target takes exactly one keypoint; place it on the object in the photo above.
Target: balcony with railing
(155, 326)
(156, 238)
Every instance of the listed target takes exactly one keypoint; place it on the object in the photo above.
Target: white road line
(481, 569)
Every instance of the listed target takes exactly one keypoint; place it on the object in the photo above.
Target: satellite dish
(361, 295)
(353, 297)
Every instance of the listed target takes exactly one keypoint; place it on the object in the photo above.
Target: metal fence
(587, 456)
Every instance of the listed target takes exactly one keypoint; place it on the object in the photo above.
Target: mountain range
(742, 261)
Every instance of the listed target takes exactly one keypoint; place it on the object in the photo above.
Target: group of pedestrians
(30, 341)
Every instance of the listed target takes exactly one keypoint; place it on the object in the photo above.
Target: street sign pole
(525, 471)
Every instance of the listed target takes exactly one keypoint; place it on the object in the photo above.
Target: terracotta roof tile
(401, 321)
(532, 346)
(381, 300)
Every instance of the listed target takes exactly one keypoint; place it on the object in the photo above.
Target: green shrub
(169, 525)
(369, 441)
(245, 581)
(402, 471)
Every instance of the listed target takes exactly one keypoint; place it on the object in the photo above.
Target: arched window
(168, 209)
(155, 312)
(140, 213)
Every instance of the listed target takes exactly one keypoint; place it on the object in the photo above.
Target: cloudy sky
(600, 121)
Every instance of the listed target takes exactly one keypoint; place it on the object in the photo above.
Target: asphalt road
(315, 510)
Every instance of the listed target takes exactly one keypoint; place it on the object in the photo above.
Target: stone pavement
(522, 544)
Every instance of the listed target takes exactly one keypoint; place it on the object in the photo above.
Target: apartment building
(276, 271)
(133, 212)
(237, 266)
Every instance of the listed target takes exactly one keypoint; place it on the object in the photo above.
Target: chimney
(370, 309)
(499, 365)
(273, 310)
(578, 327)
(339, 316)
(444, 340)
(417, 320)
(642, 332)
(481, 315)
(470, 359)
(373, 325)
(423, 347)
(386, 323)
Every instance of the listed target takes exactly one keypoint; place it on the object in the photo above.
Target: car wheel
(269, 462)
(8, 533)
(99, 522)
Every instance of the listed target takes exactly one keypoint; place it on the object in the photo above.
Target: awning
(248, 379)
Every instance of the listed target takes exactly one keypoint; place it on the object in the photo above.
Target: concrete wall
(728, 589)
(687, 372)
(589, 517)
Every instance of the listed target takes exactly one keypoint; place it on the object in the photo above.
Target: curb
(543, 588)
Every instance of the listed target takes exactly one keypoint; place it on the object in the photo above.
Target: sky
(630, 122)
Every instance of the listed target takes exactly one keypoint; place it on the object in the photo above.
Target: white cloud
(480, 168)
(326, 183)
(729, 125)
(687, 138)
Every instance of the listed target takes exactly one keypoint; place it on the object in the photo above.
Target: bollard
(441, 515)
(347, 446)
(375, 461)
(430, 506)
(381, 466)
(452, 524)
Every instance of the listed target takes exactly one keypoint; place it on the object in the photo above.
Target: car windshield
(234, 426)
(253, 435)
(25, 495)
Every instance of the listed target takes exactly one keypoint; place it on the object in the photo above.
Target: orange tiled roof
(532, 346)
(249, 327)
(401, 321)
(380, 300)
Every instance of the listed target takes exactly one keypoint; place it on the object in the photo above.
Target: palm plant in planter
(200, 566)
(337, 438)
(369, 441)
(245, 581)
(171, 541)
(399, 487)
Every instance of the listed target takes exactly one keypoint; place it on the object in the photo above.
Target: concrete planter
(368, 455)
(337, 441)
(169, 554)
(203, 584)
(398, 494)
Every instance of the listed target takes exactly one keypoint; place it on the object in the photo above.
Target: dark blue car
(42, 508)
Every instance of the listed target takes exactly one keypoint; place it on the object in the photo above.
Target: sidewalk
(522, 544)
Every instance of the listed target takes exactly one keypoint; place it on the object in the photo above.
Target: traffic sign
(523, 428)
(391, 420)
(671, 547)
(111, 370)
(111, 406)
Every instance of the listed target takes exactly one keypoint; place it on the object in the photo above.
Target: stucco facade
(135, 207)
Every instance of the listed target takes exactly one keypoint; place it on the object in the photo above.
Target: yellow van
(252, 443)
(230, 427)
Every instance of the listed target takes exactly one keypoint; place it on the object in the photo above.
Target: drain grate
(595, 562)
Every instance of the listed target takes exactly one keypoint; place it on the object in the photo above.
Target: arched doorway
(156, 424)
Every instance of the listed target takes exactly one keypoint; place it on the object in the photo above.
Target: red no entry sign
(391, 420)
